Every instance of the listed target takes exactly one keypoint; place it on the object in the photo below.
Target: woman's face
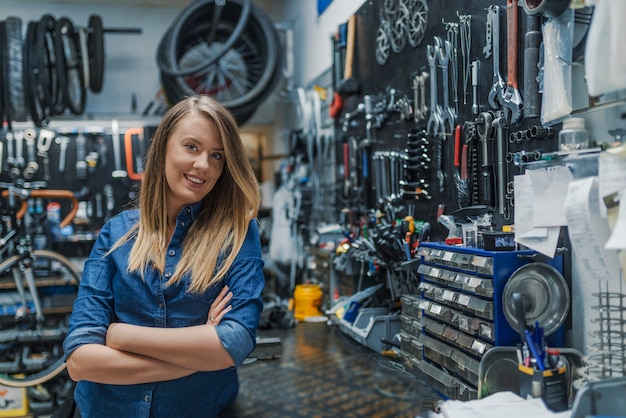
(194, 160)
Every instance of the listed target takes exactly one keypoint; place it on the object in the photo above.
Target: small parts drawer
(469, 324)
(458, 260)
(459, 280)
(458, 300)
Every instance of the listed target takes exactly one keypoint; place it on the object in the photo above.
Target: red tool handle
(128, 150)
(457, 146)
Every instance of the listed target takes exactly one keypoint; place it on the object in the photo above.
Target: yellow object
(308, 299)
(508, 228)
(13, 401)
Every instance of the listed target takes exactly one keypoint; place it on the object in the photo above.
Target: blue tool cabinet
(458, 315)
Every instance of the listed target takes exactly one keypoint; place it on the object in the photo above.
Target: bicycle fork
(26, 272)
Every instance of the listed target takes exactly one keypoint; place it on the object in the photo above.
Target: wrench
(19, 148)
(512, 97)
(14, 172)
(484, 128)
(62, 141)
(498, 86)
(434, 125)
(449, 115)
(31, 165)
(43, 146)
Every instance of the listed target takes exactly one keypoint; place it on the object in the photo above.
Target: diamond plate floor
(322, 373)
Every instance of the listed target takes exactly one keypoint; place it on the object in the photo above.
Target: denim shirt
(109, 293)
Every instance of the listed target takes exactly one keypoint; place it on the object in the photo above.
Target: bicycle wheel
(33, 327)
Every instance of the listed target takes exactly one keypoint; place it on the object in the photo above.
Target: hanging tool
(32, 166)
(435, 124)
(485, 131)
(475, 76)
(63, 141)
(498, 85)
(532, 43)
(499, 124)
(44, 141)
(117, 152)
(129, 134)
(337, 103)
(449, 114)
(512, 98)
(461, 184)
(349, 85)
(81, 153)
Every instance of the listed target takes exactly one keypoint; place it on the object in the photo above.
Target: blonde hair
(222, 224)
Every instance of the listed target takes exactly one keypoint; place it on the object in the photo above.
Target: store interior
(441, 184)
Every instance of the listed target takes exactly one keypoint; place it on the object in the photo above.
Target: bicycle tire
(75, 92)
(242, 77)
(3, 70)
(34, 86)
(53, 367)
(15, 48)
(95, 41)
(45, 61)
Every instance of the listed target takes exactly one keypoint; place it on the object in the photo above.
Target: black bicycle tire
(60, 106)
(243, 106)
(167, 51)
(34, 85)
(75, 92)
(15, 48)
(84, 55)
(95, 41)
(3, 69)
(45, 60)
(58, 366)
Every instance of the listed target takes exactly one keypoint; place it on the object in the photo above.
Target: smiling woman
(170, 297)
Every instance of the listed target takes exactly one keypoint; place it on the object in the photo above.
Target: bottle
(573, 136)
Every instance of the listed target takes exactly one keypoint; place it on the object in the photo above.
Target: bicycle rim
(36, 356)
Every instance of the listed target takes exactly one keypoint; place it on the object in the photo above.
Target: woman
(170, 296)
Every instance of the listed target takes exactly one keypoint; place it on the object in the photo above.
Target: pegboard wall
(381, 129)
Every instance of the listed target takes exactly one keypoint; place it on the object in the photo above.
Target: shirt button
(160, 306)
(182, 224)
(172, 253)
(168, 275)
(147, 399)
(188, 210)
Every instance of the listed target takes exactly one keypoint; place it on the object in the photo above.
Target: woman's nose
(202, 161)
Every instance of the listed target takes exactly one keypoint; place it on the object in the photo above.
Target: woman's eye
(217, 156)
(191, 147)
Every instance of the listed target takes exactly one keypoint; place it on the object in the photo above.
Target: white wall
(312, 34)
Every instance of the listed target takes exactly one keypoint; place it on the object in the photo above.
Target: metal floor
(322, 373)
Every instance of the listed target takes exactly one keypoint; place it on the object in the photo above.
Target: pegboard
(377, 81)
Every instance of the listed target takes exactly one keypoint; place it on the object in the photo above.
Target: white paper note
(543, 239)
(550, 190)
(588, 231)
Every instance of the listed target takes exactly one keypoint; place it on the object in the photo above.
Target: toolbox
(460, 312)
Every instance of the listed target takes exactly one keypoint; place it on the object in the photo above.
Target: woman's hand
(220, 307)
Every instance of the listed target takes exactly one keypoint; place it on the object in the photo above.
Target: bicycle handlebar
(48, 193)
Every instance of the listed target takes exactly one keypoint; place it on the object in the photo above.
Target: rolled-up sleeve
(237, 331)
(93, 308)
